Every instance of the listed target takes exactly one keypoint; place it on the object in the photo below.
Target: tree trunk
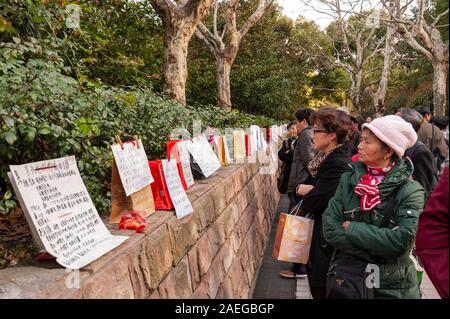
(440, 72)
(225, 53)
(380, 95)
(223, 82)
(180, 19)
(355, 91)
(176, 41)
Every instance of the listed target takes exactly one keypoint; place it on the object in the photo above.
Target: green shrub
(45, 114)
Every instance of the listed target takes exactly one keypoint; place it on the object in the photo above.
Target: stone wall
(212, 253)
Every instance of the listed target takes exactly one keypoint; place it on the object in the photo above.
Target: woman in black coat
(286, 154)
(331, 134)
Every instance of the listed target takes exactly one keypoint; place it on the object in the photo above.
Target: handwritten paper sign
(132, 164)
(239, 144)
(183, 150)
(178, 196)
(215, 144)
(254, 133)
(274, 134)
(230, 143)
(63, 217)
(226, 150)
(264, 133)
(263, 141)
(273, 151)
(204, 155)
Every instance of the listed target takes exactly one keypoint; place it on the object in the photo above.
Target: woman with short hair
(354, 216)
(331, 136)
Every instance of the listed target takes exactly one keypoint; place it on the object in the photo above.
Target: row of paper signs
(62, 217)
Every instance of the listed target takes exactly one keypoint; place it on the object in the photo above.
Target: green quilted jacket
(388, 247)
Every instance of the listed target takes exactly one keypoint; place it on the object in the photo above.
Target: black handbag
(347, 275)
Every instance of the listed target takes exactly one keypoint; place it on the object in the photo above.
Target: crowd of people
(377, 190)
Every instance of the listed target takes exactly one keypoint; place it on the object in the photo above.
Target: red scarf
(368, 187)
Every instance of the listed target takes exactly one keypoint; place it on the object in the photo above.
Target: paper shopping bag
(223, 151)
(141, 200)
(293, 239)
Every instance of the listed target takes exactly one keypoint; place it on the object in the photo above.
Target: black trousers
(316, 292)
(298, 268)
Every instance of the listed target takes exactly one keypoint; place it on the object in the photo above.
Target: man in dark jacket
(285, 154)
(425, 170)
(303, 153)
(432, 136)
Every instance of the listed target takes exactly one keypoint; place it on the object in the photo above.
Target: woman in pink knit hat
(372, 219)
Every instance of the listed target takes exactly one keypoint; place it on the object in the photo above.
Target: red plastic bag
(133, 220)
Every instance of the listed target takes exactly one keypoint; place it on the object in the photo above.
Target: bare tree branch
(216, 8)
(223, 31)
(439, 17)
(262, 8)
(163, 5)
(207, 42)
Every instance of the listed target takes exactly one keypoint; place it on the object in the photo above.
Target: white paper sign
(227, 150)
(229, 139)
(215, 145)
(178, 196)
(204, 155)
(132, 164)
(61, 211)
(273, 151)
(183, 150)
(263, 141)
(264, 133)
(254, 133)
(274, 134)
(239, 144)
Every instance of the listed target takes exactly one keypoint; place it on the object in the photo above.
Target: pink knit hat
(394, 131)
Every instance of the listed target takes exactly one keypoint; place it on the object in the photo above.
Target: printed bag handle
(296, 209)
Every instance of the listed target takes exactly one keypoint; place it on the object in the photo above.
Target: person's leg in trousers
(316, 292)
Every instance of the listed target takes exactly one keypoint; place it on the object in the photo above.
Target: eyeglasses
(320, 130)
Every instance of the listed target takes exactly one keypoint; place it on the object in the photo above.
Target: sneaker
(290, 274)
